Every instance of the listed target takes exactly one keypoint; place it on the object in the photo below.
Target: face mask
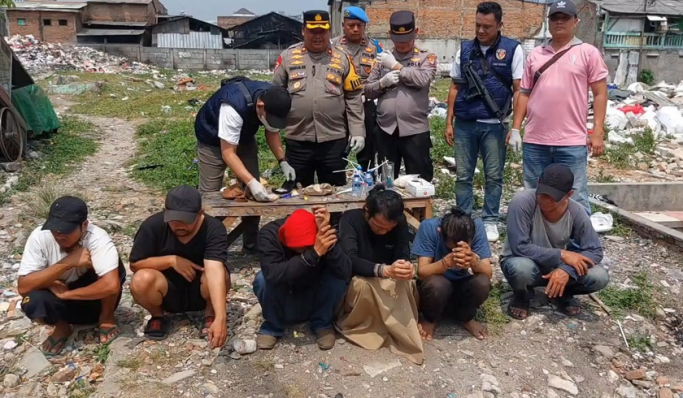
(266, 125)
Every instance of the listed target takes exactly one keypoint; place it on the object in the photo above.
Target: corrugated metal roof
(110, 32)
(191, 40)
(49, 6)
(660, 7)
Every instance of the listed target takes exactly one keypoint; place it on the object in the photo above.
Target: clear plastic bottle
(356, 184)
(369, 181)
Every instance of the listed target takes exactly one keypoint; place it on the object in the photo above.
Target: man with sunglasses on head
(326, 104)
(70, 274)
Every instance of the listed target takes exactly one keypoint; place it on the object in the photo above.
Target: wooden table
(417, 209)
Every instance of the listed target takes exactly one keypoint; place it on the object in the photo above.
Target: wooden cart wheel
(11, 136)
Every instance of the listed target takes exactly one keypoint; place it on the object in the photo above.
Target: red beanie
(299, 230)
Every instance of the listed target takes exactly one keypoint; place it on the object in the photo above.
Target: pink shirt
(558, 105)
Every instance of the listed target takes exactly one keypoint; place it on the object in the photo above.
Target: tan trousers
(211, 173)
(380, 313)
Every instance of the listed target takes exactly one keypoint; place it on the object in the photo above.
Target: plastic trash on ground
(615, 118)
(602, 222)
(671, 119)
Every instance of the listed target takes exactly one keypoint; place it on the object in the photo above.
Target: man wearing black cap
(179, 258)
(540, 225)
(363, 51)
(226, 128)
(326, 104)
(70, 274)
(400, 80)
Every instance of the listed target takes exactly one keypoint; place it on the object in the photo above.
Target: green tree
(7, 3)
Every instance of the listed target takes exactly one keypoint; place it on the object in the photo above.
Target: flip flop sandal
(106, 332)
(157, 328)
(208, 321)
(519, 304)
(564, 306)
(52, 343)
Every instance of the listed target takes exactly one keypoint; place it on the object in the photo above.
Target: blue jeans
(471, 138)
(282, 306)
(523, 273)
(538, 157)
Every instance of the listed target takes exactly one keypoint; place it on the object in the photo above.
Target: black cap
(66, 214)
(563, 6)
(402, 24)
(183, 203)
(556, 181)
(277, 103)
(317, 19)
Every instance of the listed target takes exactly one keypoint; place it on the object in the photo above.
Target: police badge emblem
(500, 54)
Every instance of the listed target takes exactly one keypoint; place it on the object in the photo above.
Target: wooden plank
(228, 221)
(428, 209)
(412, 221)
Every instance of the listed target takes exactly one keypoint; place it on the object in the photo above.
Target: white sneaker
(492, 232)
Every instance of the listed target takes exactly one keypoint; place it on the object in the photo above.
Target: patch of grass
(639, 342)
(491, 313)
(620, 228)
(168, 148)
(621, 156)
(639, 299)
(445, 189)
(646, 142)
(132, 364)
(62, 153)
(130, 229)
(263, 365)
(602, 177)
(102, 353)
(292, 391)
(81, 389)
(440, 88)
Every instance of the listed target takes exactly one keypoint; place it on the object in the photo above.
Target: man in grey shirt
(540, 225)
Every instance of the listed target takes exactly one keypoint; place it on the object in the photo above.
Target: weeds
(491, 313)
(132, 364)
(639, 342)
(102, 353)
(601, 177)
(445, 189)
(81, 389)
(639, 299)
(61, 154)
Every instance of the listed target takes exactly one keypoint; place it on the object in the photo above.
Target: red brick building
(47, 21)
(451, 19)
(239, 17)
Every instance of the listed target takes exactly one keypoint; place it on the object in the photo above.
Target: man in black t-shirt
(179, 259)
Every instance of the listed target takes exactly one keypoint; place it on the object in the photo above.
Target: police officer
(363, 52)
(499, 61)
(326, 98)
(226, 128)
(401, 80)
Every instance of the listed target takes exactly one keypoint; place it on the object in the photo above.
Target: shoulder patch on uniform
(278, 62)
(431, 58)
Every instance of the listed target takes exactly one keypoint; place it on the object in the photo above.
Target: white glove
(357, 144)
(387, 60)
(390, 79)
(515, 141)
(288, 171)
(259, 192)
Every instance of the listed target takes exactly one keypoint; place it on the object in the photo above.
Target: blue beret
(356, 13)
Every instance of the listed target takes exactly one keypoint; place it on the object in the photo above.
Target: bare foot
(475, 328)
(426, 330)
(519, 313)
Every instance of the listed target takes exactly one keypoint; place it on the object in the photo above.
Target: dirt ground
(548, 355)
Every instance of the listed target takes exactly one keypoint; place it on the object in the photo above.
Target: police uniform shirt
(362, 54)
(326, 94)
(406, 105)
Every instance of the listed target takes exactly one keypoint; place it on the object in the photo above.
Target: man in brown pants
(226, 128)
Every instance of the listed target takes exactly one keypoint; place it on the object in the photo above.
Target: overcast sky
(208, 10)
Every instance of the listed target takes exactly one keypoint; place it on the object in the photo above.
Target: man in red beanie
(304, 276)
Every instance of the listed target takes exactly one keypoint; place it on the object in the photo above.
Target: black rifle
(476, 89)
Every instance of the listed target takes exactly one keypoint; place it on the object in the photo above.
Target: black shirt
(367, 249)
(282, 266)
(155, 239)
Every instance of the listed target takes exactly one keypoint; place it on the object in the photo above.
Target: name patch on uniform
(500, 54)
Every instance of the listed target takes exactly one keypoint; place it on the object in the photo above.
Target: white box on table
(420, 188)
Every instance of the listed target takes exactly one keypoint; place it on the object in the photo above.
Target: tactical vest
(499, 57)
(241, 94)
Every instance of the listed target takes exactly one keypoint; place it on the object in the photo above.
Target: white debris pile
(40, 57)
(640, 107)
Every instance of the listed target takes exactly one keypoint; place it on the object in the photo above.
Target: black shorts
(43, 304)
(183, 296)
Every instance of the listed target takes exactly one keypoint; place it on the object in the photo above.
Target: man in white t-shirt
(477, 128)
(70, 274)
